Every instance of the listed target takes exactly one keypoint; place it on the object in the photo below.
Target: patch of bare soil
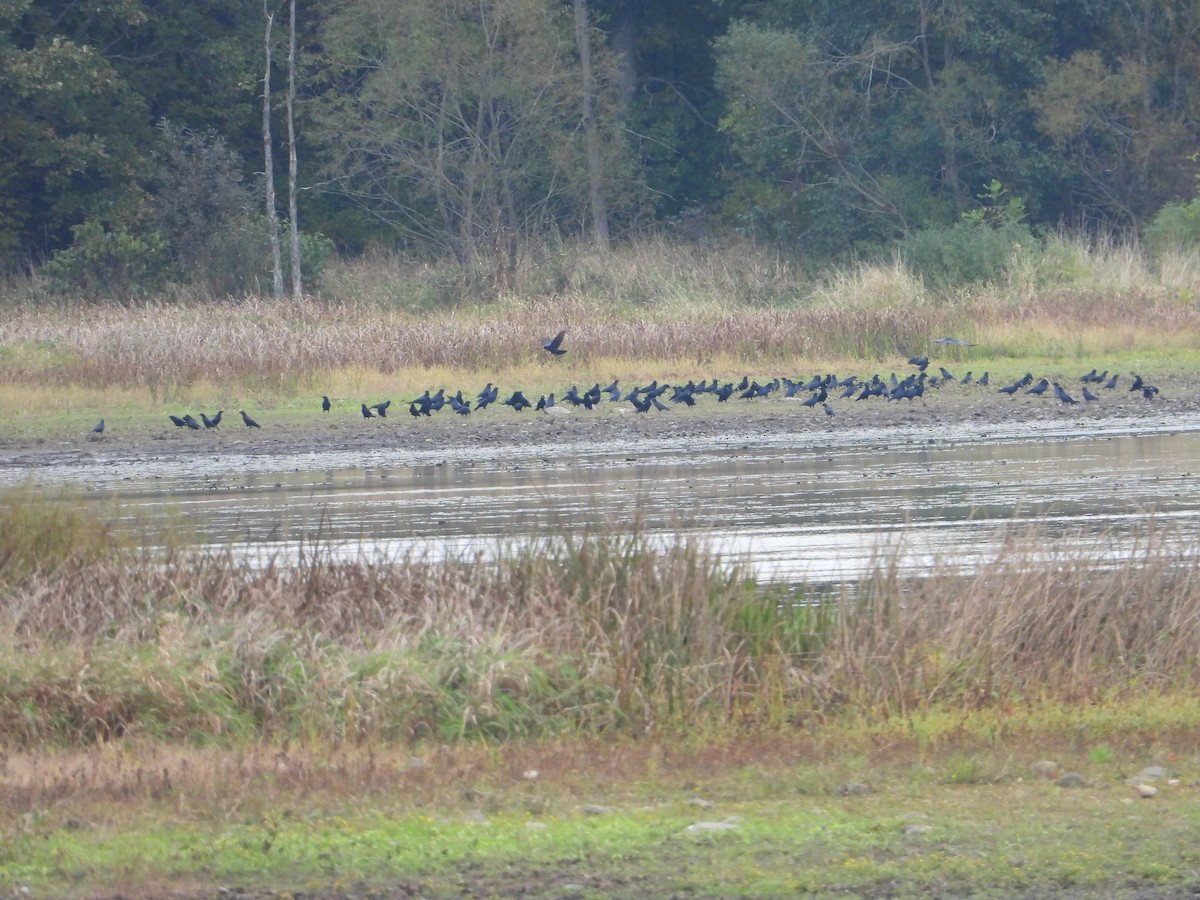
(953, 409)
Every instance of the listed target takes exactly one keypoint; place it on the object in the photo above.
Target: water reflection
(821, 511)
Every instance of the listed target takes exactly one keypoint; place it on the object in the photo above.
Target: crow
(554, 345)
(191, 423)
(517, 401)
(983, 379)
(921, 362)
(1040, 388)
(250, 423)
(1063, 395)
(99, 429)
(1112, 382)
(325, 404)
(1089, 396)
(176, 421)
(366, 412)
(381, 408)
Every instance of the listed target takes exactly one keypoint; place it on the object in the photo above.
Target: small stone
(531, 774)
(711, 826)
(701, 803)
(1047, 768)
(917, 829)
(1151, 773)
(1146, 791)
(1071, 780)
(595, 809)
(854, 789)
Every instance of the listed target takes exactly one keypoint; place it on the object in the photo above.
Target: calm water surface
(795, 507)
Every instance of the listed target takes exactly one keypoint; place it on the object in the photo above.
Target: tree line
(132, 132)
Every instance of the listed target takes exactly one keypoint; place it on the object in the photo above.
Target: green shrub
(1175, 226)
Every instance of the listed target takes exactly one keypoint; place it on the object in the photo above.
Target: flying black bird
(325, 404)
(250, 423)
(554, 345)
(366, 412)
(99, 429)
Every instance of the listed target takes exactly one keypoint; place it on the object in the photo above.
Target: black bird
(641, 405)
(946, 376)
(1090, 377)
(517, 401)
(176, 421)
(743, 384)
(1010, 389)
(1137, 383)
(214, 422)
(1148, 391)
(554, 345)
(191, 423)
(325, 404)
(1063, 395)
(381, 408)
(658, 404)
(613, 393)
(366, 412)
(921, 362)
(966, 379)
(413, 410)
(546, 401)
(819, 397)
(423, 404)
(438, 400)
(724, 392)
(99, 429)
(828, 409)
(487, 396)
(250, 423)
(1112, 382)
(1039, 388)
(206, 420)
(459, 405)
(1089, 396)
(983, 379)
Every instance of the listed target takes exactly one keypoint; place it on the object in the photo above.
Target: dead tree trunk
(269, 163)
(293, 222)
(595, 159)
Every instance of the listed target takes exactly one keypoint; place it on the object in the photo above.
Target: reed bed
(649, 303)
(599, 634)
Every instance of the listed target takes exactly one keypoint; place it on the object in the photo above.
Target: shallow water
(818, 507)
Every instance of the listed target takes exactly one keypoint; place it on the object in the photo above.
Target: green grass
(473, 824)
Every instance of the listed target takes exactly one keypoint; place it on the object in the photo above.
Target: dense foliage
(131, 132)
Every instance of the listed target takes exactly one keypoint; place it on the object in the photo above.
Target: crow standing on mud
(250, 423)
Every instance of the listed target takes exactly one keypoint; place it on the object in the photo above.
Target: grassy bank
(593, 711)
(575, 634)
(648, 310)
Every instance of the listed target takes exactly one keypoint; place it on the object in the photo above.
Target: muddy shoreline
(951, 413)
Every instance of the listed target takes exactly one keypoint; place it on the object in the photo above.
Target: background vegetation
(467, 136)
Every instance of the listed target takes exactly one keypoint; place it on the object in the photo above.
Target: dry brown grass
(652, 302)
(579, 634)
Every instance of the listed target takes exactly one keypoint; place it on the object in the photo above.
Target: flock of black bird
(820, 389)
